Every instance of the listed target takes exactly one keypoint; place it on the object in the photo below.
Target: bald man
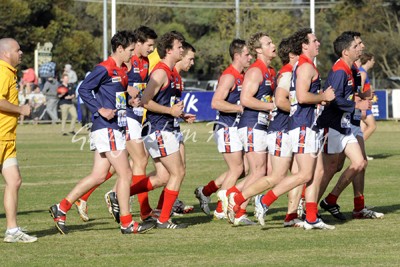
(10, 58)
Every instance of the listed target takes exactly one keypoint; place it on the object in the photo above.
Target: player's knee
(339, 166)
(304, 177)
(237, 170)
(181, 172)
(359, 165)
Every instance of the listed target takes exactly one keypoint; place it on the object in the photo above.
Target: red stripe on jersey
(302, 139)
(127, 136)
(278, 144)
(111, 139)
(227, 140)
(250, 140)
(160, 142)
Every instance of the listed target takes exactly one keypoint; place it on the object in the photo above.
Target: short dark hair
(284, 48)
(187, 47)
(143, 33)
(365, 57)
(352, 33)
(122, 38)
(299, 38)
(342, 42)
(167, 41)
(236, 47)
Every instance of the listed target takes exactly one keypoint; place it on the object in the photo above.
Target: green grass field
(51, 164)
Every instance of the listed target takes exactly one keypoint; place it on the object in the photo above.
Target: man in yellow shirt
(10, 57)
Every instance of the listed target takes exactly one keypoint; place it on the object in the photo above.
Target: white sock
(12, 231)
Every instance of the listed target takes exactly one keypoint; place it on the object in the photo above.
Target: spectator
(50, 91)
(67, 106)
(46, 70)
(37, 101)
(73, 79)
(22, 99)
(85, 112)
(28, 80)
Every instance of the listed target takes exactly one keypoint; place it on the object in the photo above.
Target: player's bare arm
(225, 84)
(6, 106)
(158, 80)
(250, 86)
(305, 75)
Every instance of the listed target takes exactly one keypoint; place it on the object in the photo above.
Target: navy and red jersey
(179, 88)
(166, 96)
(356, 116)
(138, 76)
(109, 83)
(224, 119)
(279, 118)
(254, 118)
(303, 114)
(367, 83)
(337, 114)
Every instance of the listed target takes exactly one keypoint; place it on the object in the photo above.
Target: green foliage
(210, 29)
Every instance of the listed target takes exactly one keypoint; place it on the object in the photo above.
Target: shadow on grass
(25, 212)
(197, 216)
(72, 228)
(382, 155)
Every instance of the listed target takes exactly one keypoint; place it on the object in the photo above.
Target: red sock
(312, 210)
(239, 199)
(140, 185)
(240, 213)
(290, 216)
(233, 189)
(86, 196)
(161, 200)
(331, 199)
(143, 198)
(303, 193)
(359, 203)
(65, 205)
(219, 206)
(269, 198)
(210, 188)
(169, 199)
(126, 220)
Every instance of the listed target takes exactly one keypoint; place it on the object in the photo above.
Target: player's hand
(107, 113)
(25, 110)
(135, 102)
(363, 104)
(189, 118)
(133, 91)
(177, 109)
(363, 114)
(329, 94)
(240, 109)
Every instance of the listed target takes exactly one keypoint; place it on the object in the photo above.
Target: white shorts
(279, 144)
(133, 129)
(161, 143)
(253, 140)
(304, 140)
(334, 142)
(179, 136)
(356, 131)
(227, 140)
(107, 139)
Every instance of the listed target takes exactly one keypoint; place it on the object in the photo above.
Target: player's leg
(12, 179)
(369, 124)
(99, 171)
